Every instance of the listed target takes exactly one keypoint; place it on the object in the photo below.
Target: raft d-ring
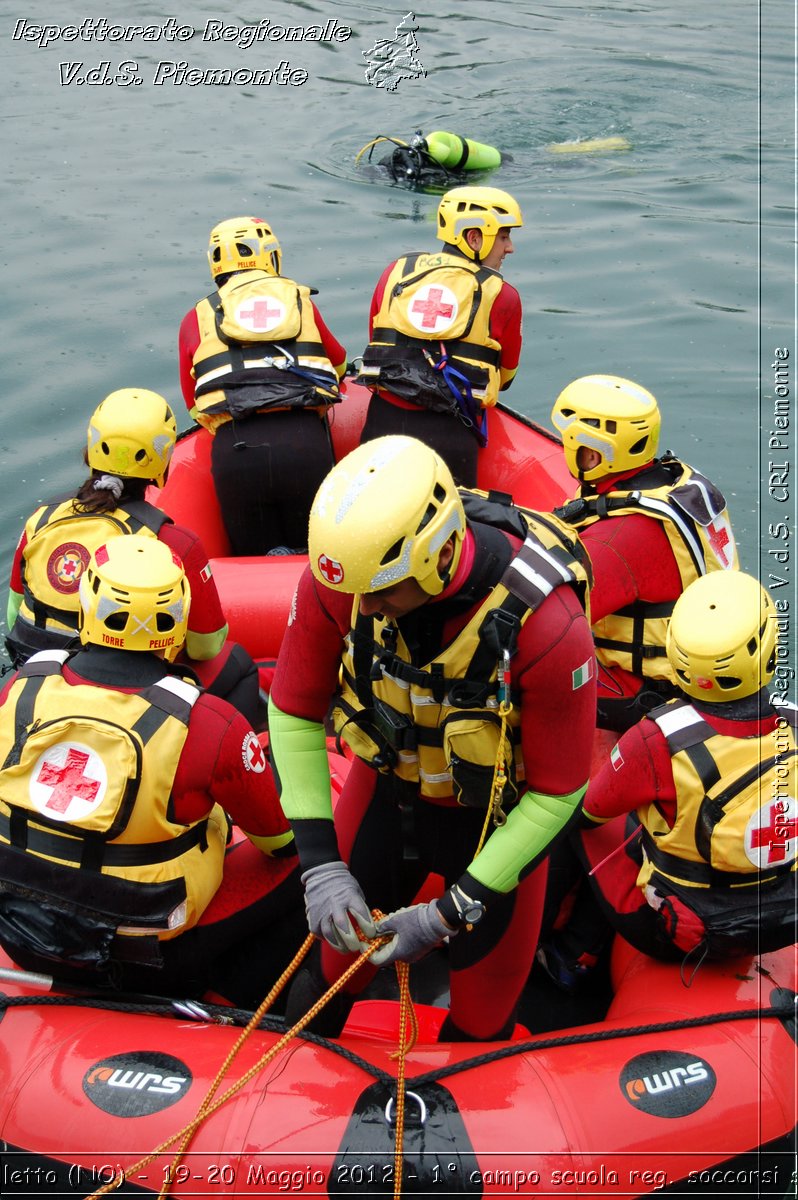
(422, 1108)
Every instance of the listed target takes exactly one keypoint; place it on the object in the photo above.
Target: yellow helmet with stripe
(484, 208)
(721, 640)
(615, 417)
(132, 433)
(243, 244)
(382, 515)
(134, 595)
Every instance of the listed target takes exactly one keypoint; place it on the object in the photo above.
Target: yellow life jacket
(431, 341)
(733, 849)
(86, 776)
(59, 544)
(445, 725)
(260, 349)
(695, 520)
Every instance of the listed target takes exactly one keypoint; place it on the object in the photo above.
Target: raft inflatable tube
(521, 457)
(683, 1090)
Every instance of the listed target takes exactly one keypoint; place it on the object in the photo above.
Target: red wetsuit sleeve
(554, 668)
(187, 342)
(332, 347)
(376, 299)
(506, 328)
(638, 773)
(205, 614)
(306, 676)
(15, 582)
(222, 763)
(632, 560)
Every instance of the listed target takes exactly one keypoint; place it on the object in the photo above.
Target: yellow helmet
(243, 244)
(132, 433)
(616, 417)
(134, 595)
(382, 515)
(485, 208)
(721, 640)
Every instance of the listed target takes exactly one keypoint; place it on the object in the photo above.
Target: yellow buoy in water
(461, 154)
(590, 146)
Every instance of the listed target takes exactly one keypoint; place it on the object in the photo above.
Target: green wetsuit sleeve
(530, 828)
(204, 646)
(299, 754)
(12, 610)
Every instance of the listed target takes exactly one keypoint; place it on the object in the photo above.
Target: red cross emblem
(433, 309)
(65, 567)
(332, 571)
(774, 842)
(68, 780)
(260, 317)
(253, 754)
(719, 539)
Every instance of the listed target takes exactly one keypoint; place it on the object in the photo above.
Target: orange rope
(209, 1106)
(407, 1040)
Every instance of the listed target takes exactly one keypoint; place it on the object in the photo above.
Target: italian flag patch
(205, 573)
(582, 675)
(616, 758)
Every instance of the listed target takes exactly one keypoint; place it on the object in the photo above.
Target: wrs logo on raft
(667, 1083)
(136, 1084)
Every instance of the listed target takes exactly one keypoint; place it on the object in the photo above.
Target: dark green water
(671, 262)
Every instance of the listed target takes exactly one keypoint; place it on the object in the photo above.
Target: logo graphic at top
(390, 60)
(260, 315)
(667, 1083)
(136, 1084)
(433, 308)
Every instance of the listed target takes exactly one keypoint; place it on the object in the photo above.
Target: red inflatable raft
(521, 457)
(679, 1090)
(680, 1087)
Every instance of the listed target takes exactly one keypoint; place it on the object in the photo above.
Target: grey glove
(417, 930)
(332, 897)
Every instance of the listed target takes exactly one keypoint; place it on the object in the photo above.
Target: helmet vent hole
(639, 446)
(611, 426)
(164, 622)
(593, 422)
(751, 647)
(727, 682)
(392, 553)
(141, 456)
(105, 448)
(116, 621)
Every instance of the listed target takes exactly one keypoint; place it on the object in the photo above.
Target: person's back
(445, 332)
(259, 370)
(708, 781)
(651, 527)
(130, 439)
(117, 780)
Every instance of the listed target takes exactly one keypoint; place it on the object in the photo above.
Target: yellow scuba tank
(459, 153)
(437, 159)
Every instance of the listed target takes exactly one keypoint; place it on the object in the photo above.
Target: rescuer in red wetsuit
(711, 780)
(445, 332)
(130, 439)
(650, 525)
(259, 369)
(119, 781)
(467, 697)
